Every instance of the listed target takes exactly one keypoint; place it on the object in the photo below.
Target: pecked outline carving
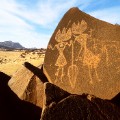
(62, 38)
(78, 32)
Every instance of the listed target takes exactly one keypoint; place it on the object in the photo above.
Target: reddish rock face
(83, 55)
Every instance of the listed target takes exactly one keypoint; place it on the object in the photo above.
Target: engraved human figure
(61, 38)
(61, 60)
(77, 30)
(88, 58)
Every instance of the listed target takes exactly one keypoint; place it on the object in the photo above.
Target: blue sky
(32, 22)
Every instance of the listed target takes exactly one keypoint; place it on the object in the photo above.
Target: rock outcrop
(61, 105)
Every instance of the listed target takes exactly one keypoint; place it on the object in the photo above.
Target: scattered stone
(83, 55)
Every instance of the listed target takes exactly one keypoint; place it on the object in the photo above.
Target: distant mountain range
(10, 45)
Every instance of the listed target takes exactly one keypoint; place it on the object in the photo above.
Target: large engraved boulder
(83, 55)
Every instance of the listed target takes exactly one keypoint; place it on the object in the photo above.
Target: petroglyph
(61, 37)
(90, 53)
(105, 50)
(72, 69)
(88, 58)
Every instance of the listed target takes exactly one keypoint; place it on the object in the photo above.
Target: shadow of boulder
(116, 100)
(11, 107)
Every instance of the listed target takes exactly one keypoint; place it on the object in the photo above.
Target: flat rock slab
(83, 55)
(27, 86)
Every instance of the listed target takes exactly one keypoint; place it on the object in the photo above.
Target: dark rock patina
(61, 105)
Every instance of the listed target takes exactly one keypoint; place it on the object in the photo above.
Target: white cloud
(10, 20)
(110, 15)
(14, 17)
(13, 27)
(26, 38)
(83, 4)
(47, 12)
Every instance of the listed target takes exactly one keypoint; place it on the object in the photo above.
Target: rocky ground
(10, 61)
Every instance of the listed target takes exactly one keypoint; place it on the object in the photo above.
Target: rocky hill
(10, 45)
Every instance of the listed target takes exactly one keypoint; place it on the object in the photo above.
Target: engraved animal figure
(61, 37)
(92, 61)
(88, 58)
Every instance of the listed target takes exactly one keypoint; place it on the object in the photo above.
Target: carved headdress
(63, 35)
(79, 28)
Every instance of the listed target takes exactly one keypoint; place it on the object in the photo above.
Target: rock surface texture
(83, 55)
(61, 105)
(27, 86)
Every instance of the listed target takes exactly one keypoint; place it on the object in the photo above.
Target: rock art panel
(83, 55)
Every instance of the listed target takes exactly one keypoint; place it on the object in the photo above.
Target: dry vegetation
(11, 61)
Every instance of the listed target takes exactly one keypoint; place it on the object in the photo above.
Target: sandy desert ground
(11, 61)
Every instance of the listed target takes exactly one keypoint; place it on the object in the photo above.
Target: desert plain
(11, 61)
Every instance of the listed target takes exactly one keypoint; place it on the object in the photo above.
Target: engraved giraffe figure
(61, 37)
(89, 59)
